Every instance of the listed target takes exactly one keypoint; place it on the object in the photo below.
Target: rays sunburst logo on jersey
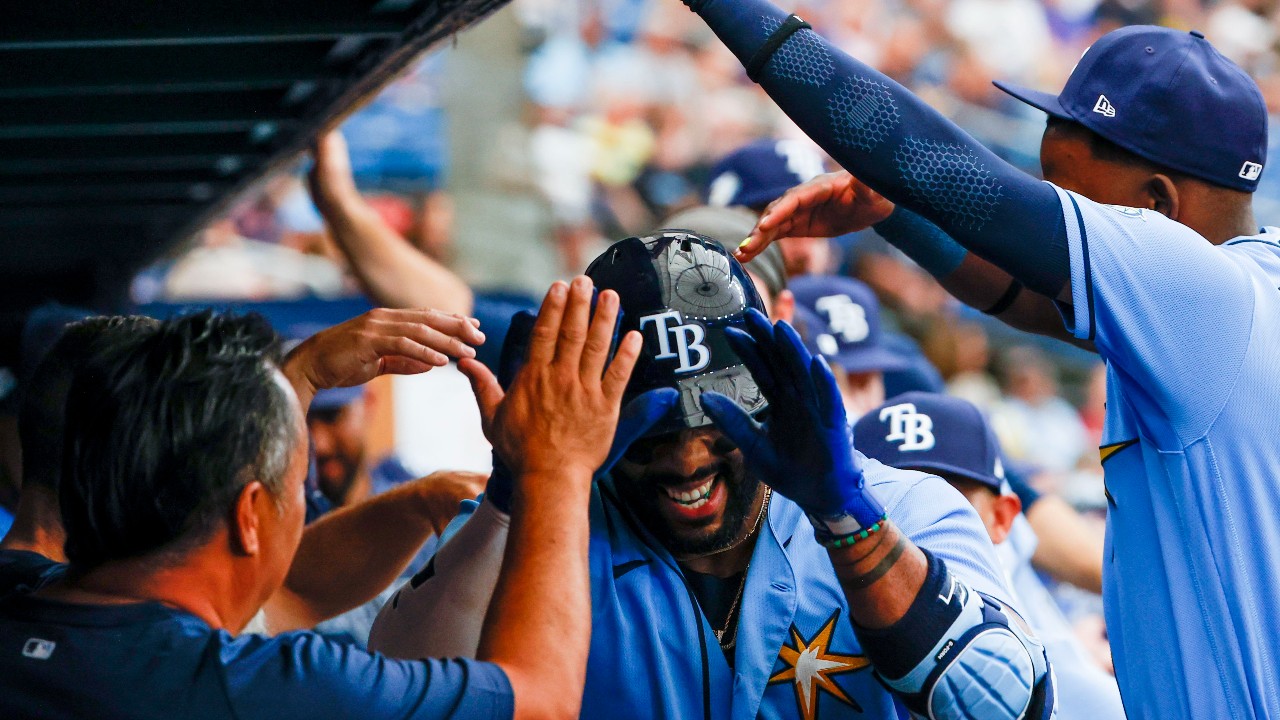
(810, 665)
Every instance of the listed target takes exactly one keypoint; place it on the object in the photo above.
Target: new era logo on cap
(1186, 105)
(1251, 171)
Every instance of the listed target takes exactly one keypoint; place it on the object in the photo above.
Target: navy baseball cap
(847, 330)
(1167, 96)
(759, 173)
(932, 432)
(335, 398)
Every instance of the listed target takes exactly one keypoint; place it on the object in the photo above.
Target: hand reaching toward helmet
(382, 341)
(826, 206)
(805, 448)
(561, 410)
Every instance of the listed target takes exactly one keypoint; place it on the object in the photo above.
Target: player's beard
(336, 485)
(643, 494)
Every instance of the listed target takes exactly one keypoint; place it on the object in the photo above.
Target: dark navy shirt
(61, 661)
(24, 571)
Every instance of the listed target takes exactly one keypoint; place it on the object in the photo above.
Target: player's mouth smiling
(696, 500)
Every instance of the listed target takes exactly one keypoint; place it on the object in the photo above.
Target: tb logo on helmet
(688, 340)
(913, 429)
(845, 317)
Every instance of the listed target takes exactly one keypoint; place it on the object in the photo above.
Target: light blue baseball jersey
(1191, 336)
(653, 653)
(1085, 691)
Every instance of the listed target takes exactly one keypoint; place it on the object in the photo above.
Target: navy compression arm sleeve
(922, 241)
(898, 145)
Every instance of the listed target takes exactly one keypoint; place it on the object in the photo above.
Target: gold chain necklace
(742, 585)
(728, 621)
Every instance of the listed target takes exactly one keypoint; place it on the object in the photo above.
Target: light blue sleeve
(936, 517)
(1171, 312)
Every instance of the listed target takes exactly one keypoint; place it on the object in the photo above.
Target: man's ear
(1162, 195)
(246, 520)
(1006, 508)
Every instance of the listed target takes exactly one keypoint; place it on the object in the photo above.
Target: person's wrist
(553, 466)
(553, 486)
(296, 368)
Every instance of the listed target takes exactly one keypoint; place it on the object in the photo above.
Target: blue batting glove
(642, 413)
(805, 448)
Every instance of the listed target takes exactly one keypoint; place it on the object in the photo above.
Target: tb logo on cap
(913, 429)
(847, 318)
(688, 340)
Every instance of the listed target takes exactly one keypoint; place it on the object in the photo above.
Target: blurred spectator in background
(962, 352)
(759, 173)
(841, 321)
(1033, 422)
(963, 451)
(392, 271)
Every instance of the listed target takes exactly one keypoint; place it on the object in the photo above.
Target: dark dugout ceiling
(125, 125)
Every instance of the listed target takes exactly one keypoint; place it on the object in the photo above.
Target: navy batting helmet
(681, 290)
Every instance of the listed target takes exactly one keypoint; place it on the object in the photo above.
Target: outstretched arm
(898, 145)
(350, 555)
(553, 428)
(838, 203)
(393, 272)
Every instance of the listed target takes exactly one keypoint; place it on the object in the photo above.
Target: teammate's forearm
(349, 556)
(970, 279)
(880, 578)
(393, 272)
(1068, 548)
(539, 623)
(900, 146)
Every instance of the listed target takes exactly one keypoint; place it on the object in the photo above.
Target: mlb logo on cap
(934, 433)
(1167, 96)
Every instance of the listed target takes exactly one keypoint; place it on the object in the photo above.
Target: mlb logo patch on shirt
(38, 649)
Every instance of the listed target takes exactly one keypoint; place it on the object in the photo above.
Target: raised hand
(561, 411)
(380, 342)
(443, 491)
(826, 206)
(805, 448)
(639, 414)
(330, 179)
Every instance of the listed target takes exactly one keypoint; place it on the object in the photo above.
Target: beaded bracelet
(851, 539)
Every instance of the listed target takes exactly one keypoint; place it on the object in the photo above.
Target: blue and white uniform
(1085, 691)
(1190, 333)
(1191, 336)
(653, 652)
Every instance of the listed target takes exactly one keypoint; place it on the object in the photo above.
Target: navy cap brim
(936, 467)
(869, 359)
(1036, 99)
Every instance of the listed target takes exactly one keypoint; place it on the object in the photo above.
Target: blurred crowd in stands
(631, 104)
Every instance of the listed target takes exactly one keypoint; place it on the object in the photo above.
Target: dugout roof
(127, 124)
